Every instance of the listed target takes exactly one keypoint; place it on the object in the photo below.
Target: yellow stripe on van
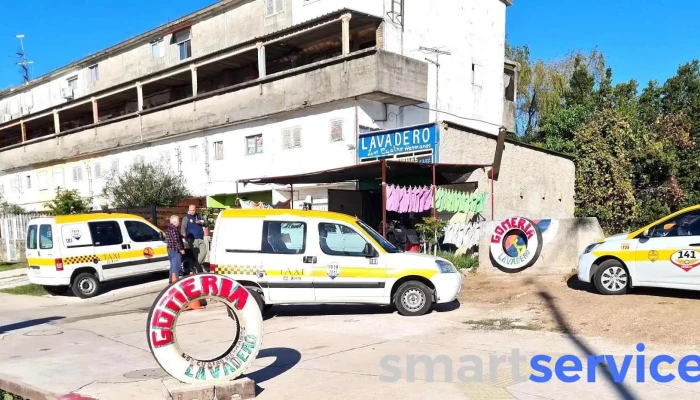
(41, 262)
(68, 219)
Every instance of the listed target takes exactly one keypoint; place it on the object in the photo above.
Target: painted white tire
(528, 250)
(162, 337)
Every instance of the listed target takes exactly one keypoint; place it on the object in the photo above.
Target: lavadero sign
(398, 141)
(516, 244)
(170, 303)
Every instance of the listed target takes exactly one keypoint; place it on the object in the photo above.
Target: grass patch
(10, 266)
(9, 396)
(28, 290)
(469, 263)
(501, 324)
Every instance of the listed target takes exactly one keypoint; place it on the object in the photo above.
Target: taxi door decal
(685, 259)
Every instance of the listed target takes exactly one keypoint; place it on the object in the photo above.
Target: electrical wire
(455, 115)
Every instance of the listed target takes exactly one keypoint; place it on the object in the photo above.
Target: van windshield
(386, 245)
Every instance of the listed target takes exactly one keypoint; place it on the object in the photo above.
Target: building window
(218, 150)
(73, 83)
(254, 144)
(58, 178)
(94, 73)
(509, 84)
(157, 49)
(98, 171)
(29, 182)
(273, 7)
(336, 130)
(183, 40)
(77, 174)
(15, 183)
(193, 153)
(43, 178)
(291, 138)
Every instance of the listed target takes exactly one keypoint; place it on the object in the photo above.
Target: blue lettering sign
(397, 141)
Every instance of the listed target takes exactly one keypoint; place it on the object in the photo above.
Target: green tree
(144, 185)
(603, 186)
(9, 208)
(69, 202)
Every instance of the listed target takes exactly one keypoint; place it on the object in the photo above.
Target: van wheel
(413, 299)
(258, 298)
(86, 285)
(611, 278)
(56, 290)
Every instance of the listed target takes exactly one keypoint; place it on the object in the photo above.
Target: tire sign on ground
(515, 243)
(162, 338)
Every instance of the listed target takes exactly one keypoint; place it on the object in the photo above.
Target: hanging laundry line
(409, 199)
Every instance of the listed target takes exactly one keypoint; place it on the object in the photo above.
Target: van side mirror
(369, 251)
(162, 236)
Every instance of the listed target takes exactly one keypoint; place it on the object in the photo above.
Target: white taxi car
(663, 254)
(295, 256)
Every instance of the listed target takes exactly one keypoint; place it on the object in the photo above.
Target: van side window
(31, 237)
(339, 240)
(140, 232)
(284, 237)
(105, 233)
(45, 237)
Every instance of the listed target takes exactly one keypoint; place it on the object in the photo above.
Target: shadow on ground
(344, 309)
(27, 324)
(285, 359)
(575, 284)
(109, 286)
(622, 390)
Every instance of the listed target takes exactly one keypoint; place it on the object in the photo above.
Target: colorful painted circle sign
(170, 303)
(515, 243)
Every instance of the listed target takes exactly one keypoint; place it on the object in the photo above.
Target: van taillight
(212, 268)
(59, 264)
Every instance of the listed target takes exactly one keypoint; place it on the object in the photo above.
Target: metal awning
(445, 174)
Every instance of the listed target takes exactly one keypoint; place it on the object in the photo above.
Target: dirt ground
(560, 303)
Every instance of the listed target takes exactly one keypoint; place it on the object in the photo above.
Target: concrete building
(249, 88)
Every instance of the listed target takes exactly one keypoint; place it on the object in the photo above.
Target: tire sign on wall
(515, 243)
(162, 338)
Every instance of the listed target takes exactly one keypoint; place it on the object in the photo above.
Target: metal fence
(13, 235)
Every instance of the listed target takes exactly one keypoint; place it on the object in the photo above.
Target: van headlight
(445, 267)
(591, 247)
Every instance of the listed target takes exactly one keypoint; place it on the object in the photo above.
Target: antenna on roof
(22, 62)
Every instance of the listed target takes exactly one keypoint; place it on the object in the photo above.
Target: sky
(641, 39)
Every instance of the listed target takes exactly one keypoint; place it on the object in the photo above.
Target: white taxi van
(664, 254)
(81, 251)
(295, 256)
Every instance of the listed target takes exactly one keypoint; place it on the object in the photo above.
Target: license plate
(35, 271)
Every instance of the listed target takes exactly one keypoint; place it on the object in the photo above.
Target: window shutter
(297, 136)
(336, 130)
(287, 138)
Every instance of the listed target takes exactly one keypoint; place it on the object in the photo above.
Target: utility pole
(436, 63)
(23, 63)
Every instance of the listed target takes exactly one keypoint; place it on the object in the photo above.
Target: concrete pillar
(24, 131)
(139, 96)
(194, 80)
(56, 122)
(380, 36)
(95, 112)
(346, 33)
(262, 68)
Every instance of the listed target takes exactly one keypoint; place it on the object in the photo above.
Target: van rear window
(45, 237)
(31, 237)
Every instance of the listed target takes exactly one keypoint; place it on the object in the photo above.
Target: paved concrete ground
(97, 348)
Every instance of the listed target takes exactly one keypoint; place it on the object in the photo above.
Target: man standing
(173, 241)
(193, 230)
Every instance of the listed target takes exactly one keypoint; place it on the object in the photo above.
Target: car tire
(86, 285)
(413, 298)
(258, 298)
(56, 290)
(611, 278)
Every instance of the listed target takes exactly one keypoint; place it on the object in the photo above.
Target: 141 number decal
(685, 259)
